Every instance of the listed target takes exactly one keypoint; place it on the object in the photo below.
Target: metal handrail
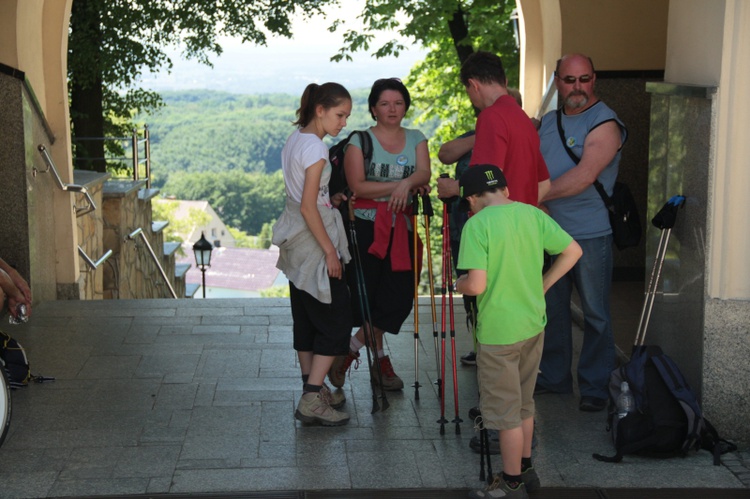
(131, 237)
(93, 264)
(67, 187)
(135, 142)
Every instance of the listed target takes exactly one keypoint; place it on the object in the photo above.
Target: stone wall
(90, 235)
(134, 272)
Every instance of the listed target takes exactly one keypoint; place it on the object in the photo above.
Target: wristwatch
(455, 286)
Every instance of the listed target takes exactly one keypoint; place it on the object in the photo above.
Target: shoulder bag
(623, 212)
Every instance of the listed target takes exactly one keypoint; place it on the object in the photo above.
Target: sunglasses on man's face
(570, 80)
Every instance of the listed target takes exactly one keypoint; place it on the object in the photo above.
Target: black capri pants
(322, 328)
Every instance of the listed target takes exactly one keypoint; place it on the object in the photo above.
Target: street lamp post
(202, 250)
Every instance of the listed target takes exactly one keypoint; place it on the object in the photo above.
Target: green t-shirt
(508, 242)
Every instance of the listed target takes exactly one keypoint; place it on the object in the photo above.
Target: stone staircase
(143, 264)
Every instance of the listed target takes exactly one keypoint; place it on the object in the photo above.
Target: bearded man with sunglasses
(581, 143)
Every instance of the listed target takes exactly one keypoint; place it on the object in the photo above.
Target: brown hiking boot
(391, 382)
(340, 366)
(334, 398)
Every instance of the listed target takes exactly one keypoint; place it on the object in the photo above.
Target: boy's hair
(484, 67)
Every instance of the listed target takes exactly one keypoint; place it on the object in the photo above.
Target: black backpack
(15, 360)
(667, 419)
(337, 183)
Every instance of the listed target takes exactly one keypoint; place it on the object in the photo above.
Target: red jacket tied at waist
(400, 258)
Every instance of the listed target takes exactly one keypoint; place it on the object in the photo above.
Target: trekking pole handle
(448, 201)
(350, 202)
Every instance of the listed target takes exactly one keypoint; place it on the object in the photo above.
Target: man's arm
(451, 151)
(13, 294)
(15, 287)
(599, 148)
(544, 187)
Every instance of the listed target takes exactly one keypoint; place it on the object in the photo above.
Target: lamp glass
(202, 250)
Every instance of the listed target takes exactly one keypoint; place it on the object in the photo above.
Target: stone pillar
(28, 190)
(708, 338)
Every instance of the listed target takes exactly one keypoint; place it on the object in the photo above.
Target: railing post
(147, 149)
(135, 154)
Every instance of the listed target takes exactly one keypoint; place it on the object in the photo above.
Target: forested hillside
(226, 148)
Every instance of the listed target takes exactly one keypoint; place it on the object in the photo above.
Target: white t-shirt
(301, 151)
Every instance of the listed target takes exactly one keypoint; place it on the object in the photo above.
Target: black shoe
(470, 359)
(474, 413)
(592, 404)
(494, 438)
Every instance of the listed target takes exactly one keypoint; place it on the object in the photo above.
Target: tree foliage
(164, 209)
(113, 42)
(244, 201)
(450, 30)
(202, 131)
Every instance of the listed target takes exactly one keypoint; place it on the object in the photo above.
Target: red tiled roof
(236, 268)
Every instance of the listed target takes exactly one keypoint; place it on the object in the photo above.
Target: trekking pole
(449, 271)
(664, 220)
(485, 448)
(471, 320)
(443, 289)
(415, 209)
(428, 212)
(364, 307)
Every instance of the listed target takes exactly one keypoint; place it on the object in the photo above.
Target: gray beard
(571, 103)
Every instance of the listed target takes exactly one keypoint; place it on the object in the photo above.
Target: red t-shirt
(505, 137)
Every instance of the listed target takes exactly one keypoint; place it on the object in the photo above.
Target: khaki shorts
(507, 376)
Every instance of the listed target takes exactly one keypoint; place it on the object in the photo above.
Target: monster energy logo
(490, 177)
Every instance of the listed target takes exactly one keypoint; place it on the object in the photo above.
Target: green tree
(451, 30)
(243, 200)
(266, 232)
(166, 209)
(242, 239)
(113, 42)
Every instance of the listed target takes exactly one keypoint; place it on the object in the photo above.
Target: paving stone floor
(192, 397)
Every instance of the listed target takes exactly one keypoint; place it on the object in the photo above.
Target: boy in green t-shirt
(502, 248)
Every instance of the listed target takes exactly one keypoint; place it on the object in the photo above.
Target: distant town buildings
(216, 232)
(234, 272)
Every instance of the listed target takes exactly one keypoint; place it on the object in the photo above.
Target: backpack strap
(634, 372)
(712, 442)
(679, 387)
(366, 141)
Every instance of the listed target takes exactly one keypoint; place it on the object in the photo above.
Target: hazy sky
(286, 65)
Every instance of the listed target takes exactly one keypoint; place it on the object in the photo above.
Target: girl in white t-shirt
(312, 244)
